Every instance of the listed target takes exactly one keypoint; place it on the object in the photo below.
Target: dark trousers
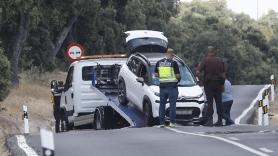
(166, 93)
(214, 92)
(227, 109)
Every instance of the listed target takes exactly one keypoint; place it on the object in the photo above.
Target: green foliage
(4, 78)
(237, 38)
(249, 47)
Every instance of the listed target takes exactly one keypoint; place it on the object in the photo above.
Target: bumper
(187, 111)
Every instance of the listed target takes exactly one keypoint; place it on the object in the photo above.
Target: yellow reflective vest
(166, 72)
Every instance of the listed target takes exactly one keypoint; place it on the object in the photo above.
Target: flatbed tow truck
(89, 96)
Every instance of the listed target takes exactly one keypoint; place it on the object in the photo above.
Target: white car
(138, 85)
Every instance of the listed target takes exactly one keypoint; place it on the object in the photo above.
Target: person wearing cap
(214, 78)
(167, 70)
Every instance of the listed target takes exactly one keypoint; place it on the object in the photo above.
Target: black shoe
(229, 123)
(209, 123)
(218, 124)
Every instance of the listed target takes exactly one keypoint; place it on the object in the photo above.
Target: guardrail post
(25, 118)
(260, 111)
(272, 87)
(265, 108)
(47, 142)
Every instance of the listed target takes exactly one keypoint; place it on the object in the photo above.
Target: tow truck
(89, 95)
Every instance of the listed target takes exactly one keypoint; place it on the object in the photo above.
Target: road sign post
(272, 87)
(25, 118)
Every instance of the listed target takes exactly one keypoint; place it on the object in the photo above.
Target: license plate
(184, 112)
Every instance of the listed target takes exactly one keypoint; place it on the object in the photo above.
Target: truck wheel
(122, 93)
(148, 117)
(104, 118)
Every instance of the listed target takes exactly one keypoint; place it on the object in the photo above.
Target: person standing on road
(227, 100)
(214, 78)
(56, 106)
(167, 70)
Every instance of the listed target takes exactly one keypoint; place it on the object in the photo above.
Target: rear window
(87, 73)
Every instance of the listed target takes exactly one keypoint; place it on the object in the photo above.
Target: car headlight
(199, 96)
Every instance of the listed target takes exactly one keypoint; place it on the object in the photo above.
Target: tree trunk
(55, 47)
(17, 44)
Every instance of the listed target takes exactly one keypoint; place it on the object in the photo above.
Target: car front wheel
(122, 93)
(148, 117)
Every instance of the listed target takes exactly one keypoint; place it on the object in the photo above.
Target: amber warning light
(75, 52)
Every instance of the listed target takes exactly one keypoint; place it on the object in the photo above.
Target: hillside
(33, 92)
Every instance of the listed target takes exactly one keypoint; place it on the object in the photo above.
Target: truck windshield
(187, 79)
(103, 76)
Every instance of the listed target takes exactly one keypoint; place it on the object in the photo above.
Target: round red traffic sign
(74, 52)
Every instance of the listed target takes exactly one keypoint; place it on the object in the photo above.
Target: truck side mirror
(60, 84)
(54, 86)
(140, 80)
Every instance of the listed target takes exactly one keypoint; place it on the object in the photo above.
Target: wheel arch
(147, 99)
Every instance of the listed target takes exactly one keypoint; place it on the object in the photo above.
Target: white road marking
(234, 138)
(21, 141)
(254, 151)
(266, 150)
(246, 111)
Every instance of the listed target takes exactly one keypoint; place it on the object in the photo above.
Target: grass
(34, 92)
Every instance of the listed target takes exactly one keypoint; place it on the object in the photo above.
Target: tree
(236, 37)
(4, 78)
(18, 29)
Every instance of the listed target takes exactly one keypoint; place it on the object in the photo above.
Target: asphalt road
(240, 140)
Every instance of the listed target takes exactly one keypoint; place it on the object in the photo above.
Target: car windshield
(186, 77)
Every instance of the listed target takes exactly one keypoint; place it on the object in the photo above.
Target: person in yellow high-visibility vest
(167, 70)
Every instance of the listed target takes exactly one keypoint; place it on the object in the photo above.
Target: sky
(250, 6)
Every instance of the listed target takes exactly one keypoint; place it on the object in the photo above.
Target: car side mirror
(197, 79)
(140, 80)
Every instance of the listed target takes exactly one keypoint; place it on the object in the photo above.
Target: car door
(140, 88)
(68, 94)
(130, 79)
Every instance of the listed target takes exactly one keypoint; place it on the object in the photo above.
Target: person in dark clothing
(167, 70)
(214, 78)
(57, 112)
(56, 104)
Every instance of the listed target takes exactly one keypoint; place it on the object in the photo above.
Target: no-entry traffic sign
(74, 52)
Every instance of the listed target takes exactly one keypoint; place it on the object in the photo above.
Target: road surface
(240, 140)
